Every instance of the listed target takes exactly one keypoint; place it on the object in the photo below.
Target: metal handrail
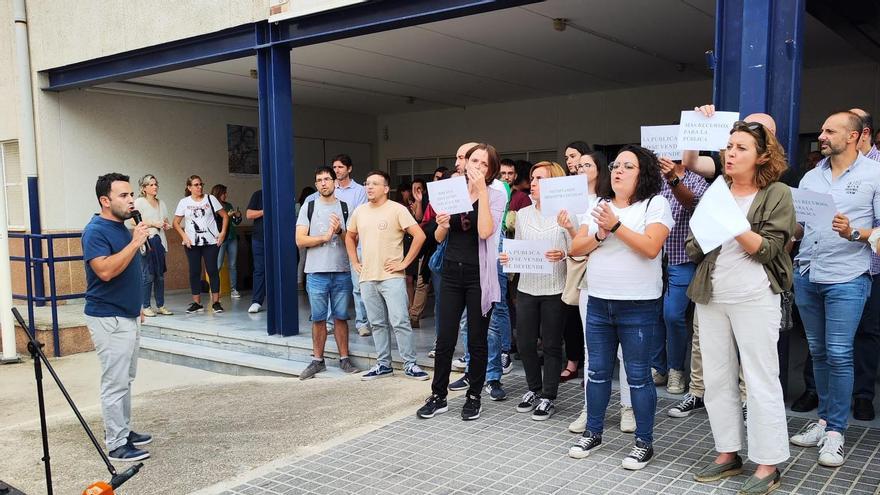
(30, 267)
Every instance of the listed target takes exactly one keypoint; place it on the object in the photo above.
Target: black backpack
(310, 209)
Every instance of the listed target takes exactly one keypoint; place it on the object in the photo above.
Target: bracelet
(616, 226)
(596, 235)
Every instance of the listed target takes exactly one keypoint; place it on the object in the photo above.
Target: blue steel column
(758, 50)
(276, 165)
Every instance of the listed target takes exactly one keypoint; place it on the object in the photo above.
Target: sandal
(567, 375)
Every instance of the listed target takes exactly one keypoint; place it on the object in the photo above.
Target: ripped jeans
(631, 325)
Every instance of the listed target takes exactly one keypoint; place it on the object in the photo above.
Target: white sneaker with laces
(627, 419)
(255, 308)
(580, 424)
(459, 364)
(831, 449)
(234, 294)
(148, 312)
(675, 382)
(809, 436)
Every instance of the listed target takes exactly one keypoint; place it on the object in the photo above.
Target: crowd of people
(629, 283)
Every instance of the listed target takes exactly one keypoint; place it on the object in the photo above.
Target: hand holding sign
(699, 132)
(450, 196)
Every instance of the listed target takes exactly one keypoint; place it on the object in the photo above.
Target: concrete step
(227, 361)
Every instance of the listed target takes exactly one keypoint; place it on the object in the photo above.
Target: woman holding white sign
(539, 301)
(736, 289)
(624, 237)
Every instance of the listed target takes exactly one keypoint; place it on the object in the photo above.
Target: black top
(463, 237)
(256, 203)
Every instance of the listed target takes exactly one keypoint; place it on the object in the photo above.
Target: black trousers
(540, 317)
(573, 333)
(460, 290)
(194, 256)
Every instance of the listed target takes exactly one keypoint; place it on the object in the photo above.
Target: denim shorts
(332, 288)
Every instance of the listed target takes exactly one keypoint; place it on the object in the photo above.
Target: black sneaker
(128, 453)
(216, 307)
(586, 444)
(138, 439)
(528, 402)
(544, 410)
(638, 457)
(493, 388)
(471, 409)
(506, 363)
(689, 404)
(462, 383)
(195, 308)
(433, 405)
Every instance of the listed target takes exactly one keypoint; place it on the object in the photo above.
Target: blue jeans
(630, 324)
(671, 338)
(230, 246)
(360, 309)
(867, 345)
(333, 288)
(499, 326)
(157, 284)
(259, 252)
(831, 314)
(388, 309)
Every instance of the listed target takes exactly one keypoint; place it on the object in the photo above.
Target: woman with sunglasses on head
(539, 312)
(595, 168)
(155, 214)
(623, 238)
(736, 289)
(194, 220)
(469, 280)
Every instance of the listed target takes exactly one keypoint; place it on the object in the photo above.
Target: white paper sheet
(564, 193)
(698, 132)
(662, 140)
(717, 218)
(814, 208)
(450, 195)
(527, 256)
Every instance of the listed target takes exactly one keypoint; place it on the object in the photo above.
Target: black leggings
(194, 256)
(573, 335)
(460, 289)
(540, 316)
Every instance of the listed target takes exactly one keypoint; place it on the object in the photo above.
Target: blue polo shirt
(121, 296)
(830, 258)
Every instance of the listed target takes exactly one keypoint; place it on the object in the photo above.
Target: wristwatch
(675, 181)
(855, 235)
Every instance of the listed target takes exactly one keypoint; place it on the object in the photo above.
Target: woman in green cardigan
(736, 289)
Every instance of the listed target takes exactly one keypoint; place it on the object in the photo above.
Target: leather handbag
(575, 268)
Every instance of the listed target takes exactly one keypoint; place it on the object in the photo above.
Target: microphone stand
(36, 351)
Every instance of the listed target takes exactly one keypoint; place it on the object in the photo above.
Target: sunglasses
(755, 127)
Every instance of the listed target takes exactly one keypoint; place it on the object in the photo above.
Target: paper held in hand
(662, 140)
(698, 132)
(450, 196)
(814, 208)
(564, 193)
(527, 256)
(717, 218)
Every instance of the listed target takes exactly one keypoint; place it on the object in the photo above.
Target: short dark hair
(507, 162)
(343, 158)
(404, 186)
(380, 173)
(441, 169)
(523, 169)
(323, 169)
(868, 123)
(423, 182)
(649, 180)
(581, 147)
(218, 191)
(105, 183)
(854, 121)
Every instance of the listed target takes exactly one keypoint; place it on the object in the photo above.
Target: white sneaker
(580, 424)
(364, 331)
(234, 294)
(659, 378)
(809, 436)
(675, 383)
(627, 419)
(255, 308)
(148, 312)
(831, 449)
(459, 364)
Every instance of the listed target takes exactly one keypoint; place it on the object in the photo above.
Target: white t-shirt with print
(616, 272)
(198, 219)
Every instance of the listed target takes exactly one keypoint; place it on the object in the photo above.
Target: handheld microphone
(136, 216)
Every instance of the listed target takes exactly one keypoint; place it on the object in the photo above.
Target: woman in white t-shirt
(539, 312)
(155, 214)
(736, 289)
(624, 238)
(202, 238)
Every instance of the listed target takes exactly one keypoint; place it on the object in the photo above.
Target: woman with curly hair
(624, 237)
(736, 289)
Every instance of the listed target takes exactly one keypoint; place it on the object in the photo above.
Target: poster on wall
(242, 143)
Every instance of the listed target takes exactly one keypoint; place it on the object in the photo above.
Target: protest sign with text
(527, 256)
(814, 208)
(698, 132)
(450, 196)
(717, 218)
(662, 140)
(564, 193)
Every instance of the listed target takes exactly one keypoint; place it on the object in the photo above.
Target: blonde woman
(154, 214)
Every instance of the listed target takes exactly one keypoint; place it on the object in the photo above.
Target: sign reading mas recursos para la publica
(280, 10)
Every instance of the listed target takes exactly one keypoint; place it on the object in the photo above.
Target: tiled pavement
(507, 452)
